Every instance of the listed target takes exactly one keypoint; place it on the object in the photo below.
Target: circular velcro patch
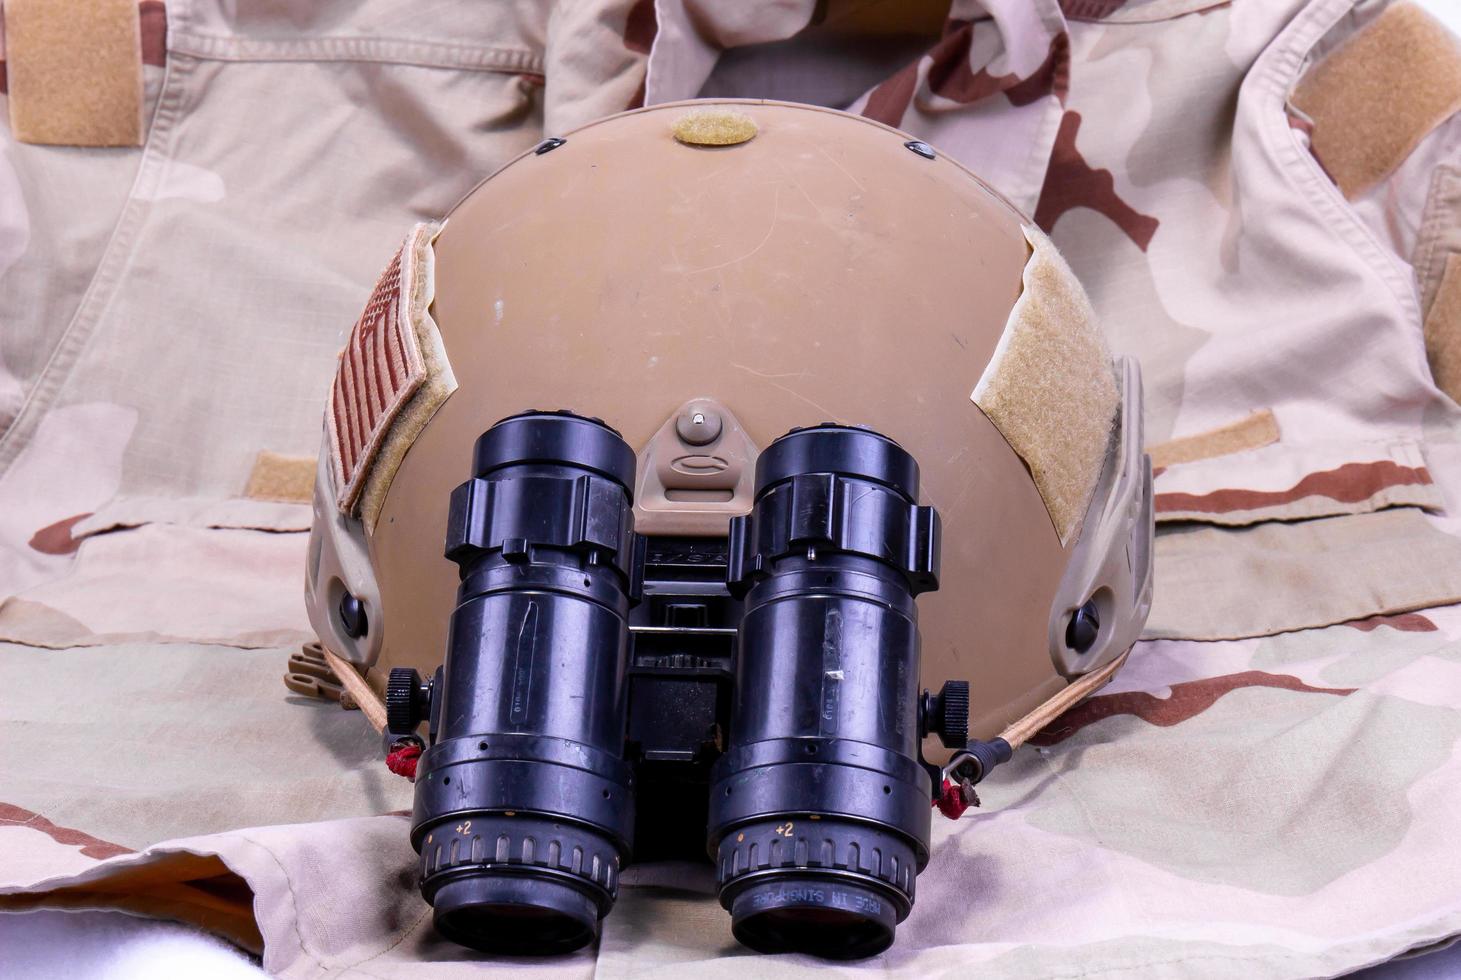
(714, 127)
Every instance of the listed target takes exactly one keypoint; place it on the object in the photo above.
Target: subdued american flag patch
(382, 365)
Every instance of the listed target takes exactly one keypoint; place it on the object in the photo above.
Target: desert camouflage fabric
(1269, 788)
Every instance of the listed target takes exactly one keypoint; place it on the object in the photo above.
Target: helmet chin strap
(967, 767)
(1102, 602)
(365, 697)
(1077, 690)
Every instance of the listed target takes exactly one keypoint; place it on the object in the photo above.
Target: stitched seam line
(1427, 235)
(1120, 15)
(423, 54)
(1141, 12)
(108, 275)
(1054, 108)
(359, 965)
(1278, 68)
(293, 898)
(1430, 257)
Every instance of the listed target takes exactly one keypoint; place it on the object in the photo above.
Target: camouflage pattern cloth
(1269, 788)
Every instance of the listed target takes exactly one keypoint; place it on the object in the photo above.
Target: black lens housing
(819, 810)
(524, 808)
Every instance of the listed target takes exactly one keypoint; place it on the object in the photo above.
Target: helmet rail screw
(698, 426)
(352, 617)
(1084, 628)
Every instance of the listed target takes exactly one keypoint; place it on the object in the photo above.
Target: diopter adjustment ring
(852, 450)
(555, 438)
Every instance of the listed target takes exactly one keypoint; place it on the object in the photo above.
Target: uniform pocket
(1283, 483)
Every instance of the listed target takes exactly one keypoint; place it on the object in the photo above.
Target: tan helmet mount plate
(696, 473)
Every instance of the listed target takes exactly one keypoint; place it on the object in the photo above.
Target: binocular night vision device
(752, 698)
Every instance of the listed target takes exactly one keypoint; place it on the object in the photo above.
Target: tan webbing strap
(1376, 96)
(368, 701)
(1443, 330)
(74, 71)
(1068, 697)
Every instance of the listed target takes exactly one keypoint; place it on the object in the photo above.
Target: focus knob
(946, 714)
(406, 699)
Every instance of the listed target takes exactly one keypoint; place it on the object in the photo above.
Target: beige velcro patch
(290, 479)
(1254, 432)
(392, 376)
(74, 71)
(1376, 96)
(714, 127)
(1050, 388)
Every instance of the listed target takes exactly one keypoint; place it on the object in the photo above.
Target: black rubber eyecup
(844, 450)
(792, 913)
(514, 915)
(555, 438)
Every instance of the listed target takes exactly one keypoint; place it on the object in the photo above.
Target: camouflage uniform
(1268, 788)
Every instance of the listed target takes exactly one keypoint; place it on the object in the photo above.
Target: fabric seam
(1433, 226)
(359, 965)
(1116, 13)
(1042, 148)
(1276, 73)
(108, 275)
(293, 898)
(384, 50)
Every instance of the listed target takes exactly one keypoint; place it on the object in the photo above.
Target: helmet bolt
(352, 617)
(1083, 628)
(698, 426)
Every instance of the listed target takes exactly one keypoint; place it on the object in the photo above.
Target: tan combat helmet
(705, 277)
